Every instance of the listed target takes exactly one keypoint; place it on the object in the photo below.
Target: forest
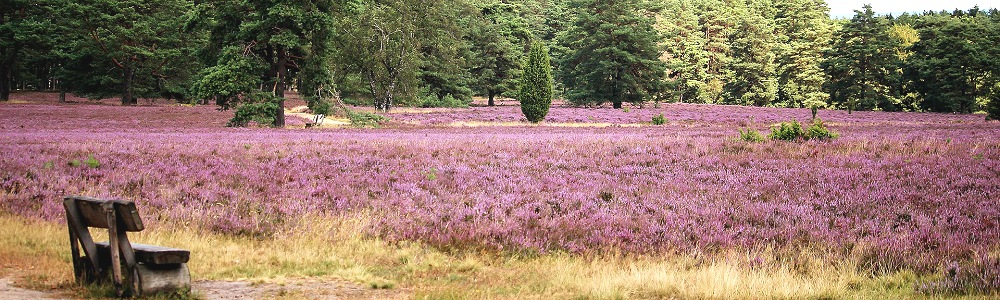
(246, 55)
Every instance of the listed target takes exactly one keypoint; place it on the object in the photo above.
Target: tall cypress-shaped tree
(536, 84)
(862, 63)
(613, 53)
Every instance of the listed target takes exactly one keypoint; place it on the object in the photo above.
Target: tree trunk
(490, 93)
(279, 88)
(5, 74)
(127, 97)
(62, 96)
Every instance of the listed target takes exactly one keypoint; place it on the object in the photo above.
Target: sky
(845, 8)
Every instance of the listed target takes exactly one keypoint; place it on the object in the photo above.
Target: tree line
(247, 54)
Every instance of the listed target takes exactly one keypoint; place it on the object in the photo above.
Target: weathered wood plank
(150, 254)
(92, 213)
(151, 279)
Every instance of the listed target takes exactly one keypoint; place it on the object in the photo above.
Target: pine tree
(862, 63)
(273, 36)
(536, 84)
(803, 30)
(496, 36)
(751, 76)
(684, 43)
(951, 63)
(613, 54)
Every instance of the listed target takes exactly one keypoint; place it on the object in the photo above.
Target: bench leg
(152, 279)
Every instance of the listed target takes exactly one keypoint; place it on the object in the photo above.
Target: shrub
(993, 107)
(786, 131)
(751, 136)
(659, 120)
(819, 131)
(432, 100)
(365, 119)
(536, 84)
(261, 113)
(790, 131)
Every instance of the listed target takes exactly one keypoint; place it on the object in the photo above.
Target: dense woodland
(384, 53)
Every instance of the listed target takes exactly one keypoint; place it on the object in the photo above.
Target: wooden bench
(135, 269)
(316, 121)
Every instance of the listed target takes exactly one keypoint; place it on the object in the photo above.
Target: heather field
(910, 193)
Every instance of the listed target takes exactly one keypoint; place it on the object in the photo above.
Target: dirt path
(8, 291)
(296, 289)
(239, 290)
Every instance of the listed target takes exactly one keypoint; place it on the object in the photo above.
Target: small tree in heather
(536, 84)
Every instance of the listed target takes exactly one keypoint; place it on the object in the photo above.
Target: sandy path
(8, 291)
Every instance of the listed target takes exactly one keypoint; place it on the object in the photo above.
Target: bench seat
(150, 254)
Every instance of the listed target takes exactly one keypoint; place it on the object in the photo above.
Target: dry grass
(322, 247)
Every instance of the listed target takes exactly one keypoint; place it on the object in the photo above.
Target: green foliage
(787, 131)
(536, 84)
(128, 48)
(863, 64)
(260, 113)
(791, 131)
(659, 120)
(278, 34)
(751, 136)
(496, 36)
(951, 64)
(233, 78)
(446, 101)
(365, 119)
(612, 54)
(90, 162)
(803, 30)
(818, 131)
(993, 107)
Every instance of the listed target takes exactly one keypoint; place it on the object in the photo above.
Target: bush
(790, 131)
(993, 107)
(536, 84)
(819, 131)
(659, 120)
(786, 131)
(365, 119)
(446, 101)
(261, 113)
(751, 136)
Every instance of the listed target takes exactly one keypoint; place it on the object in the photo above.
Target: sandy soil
(8, 291)
(233, 290)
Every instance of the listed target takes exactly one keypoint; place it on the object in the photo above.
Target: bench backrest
(92, 214)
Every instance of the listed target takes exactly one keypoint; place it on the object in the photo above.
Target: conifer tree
(613, 55)
(803, 30)
(536, 84)
(862, 64)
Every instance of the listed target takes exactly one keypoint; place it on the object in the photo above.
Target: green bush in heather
(789, 131)
(536, 84)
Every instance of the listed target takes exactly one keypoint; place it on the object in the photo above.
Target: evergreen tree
(128, 48)
(862, 64)
(951, 63)
(23, 28)
(803, 30)
(272, 36)
(496, 37)
(751, 76)
(535, 94)
(613, 54)
(684, 43)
